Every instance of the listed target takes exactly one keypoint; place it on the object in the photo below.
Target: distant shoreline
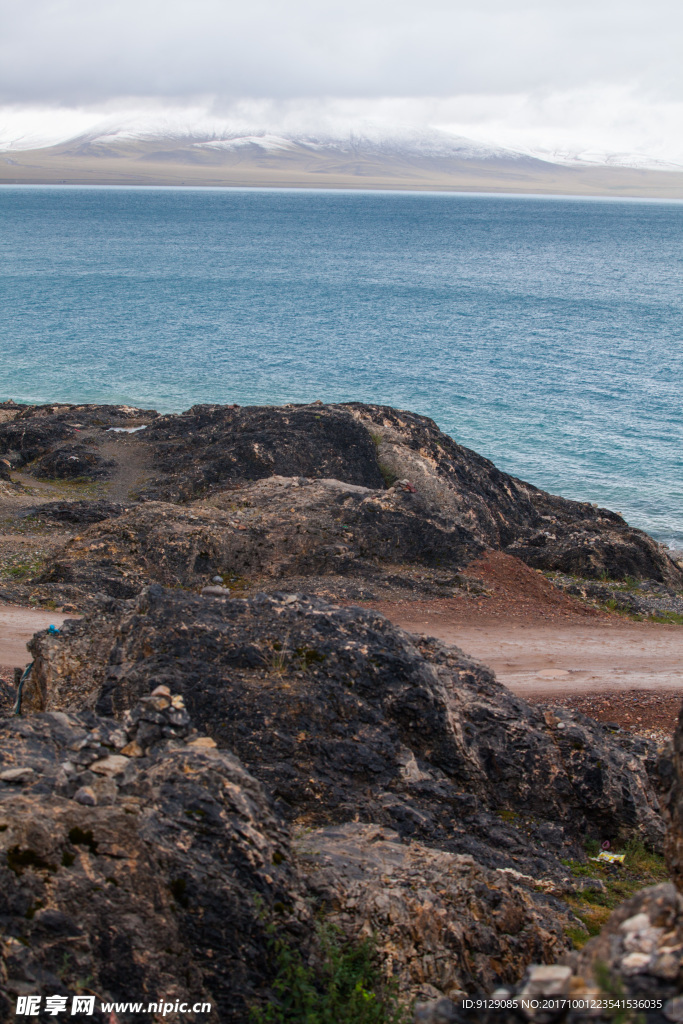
(55, 167)
(197, 187)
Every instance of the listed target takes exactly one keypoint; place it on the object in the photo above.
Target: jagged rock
(212, 445)
(637, 956)
(444, 924)
(76, 512)
(151, 879)
(277, 527)
(544, 530)
(71, 462)
(341, 714)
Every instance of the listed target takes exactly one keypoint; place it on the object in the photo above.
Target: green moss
(672, 618)
(19, 567)
(309, 656)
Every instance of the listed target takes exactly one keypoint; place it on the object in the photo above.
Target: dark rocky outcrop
(213, 445)
(340, 715)
(212, 449)
(279, 527)
(544, 530)
(426, 803)
(32, 431)
(72, 461)
(75, 512)
(138, 862)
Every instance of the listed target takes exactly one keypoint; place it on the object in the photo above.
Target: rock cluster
(138, 862)
(340, 765)
(640, 598)
(637, 958)
(405, 493)
(632, 971)
(340, 713)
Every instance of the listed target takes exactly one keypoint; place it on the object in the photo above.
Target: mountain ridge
(375, 156)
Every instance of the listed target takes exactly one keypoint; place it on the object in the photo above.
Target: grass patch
(642, 867)
(345, 987)
(672, 618)
(21, 566)
(388, 475)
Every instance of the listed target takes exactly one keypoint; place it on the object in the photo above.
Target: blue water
(543, 332)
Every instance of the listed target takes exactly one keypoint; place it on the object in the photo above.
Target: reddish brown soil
(647, 712)
(552, 648)
(513, 592)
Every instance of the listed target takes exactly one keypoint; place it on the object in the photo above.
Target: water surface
(543, 332)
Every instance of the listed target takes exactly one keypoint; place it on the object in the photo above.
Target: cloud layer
(587, 79)
(77, 51)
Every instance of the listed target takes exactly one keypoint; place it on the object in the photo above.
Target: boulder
(342, 715)
(73, 461)
(443, 923)
(137, 862)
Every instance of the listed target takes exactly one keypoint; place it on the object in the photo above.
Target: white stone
(635, 923)
(111, 765)
(634, 963)
(643, 941)
(17, 774)
(548, 980)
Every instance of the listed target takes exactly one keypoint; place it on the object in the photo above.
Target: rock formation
(373, 485)
(195, 771)
(138, 863)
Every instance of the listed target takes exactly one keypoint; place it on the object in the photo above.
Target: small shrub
(388, 475)
(347, 987)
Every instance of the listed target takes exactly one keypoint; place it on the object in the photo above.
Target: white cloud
(77, 51)
(591, 79)
(601, 125)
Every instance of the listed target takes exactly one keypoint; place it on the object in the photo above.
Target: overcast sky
(587, 74)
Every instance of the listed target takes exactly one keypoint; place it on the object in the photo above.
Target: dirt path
(560, 658)
(17, 626)
(133, 457)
